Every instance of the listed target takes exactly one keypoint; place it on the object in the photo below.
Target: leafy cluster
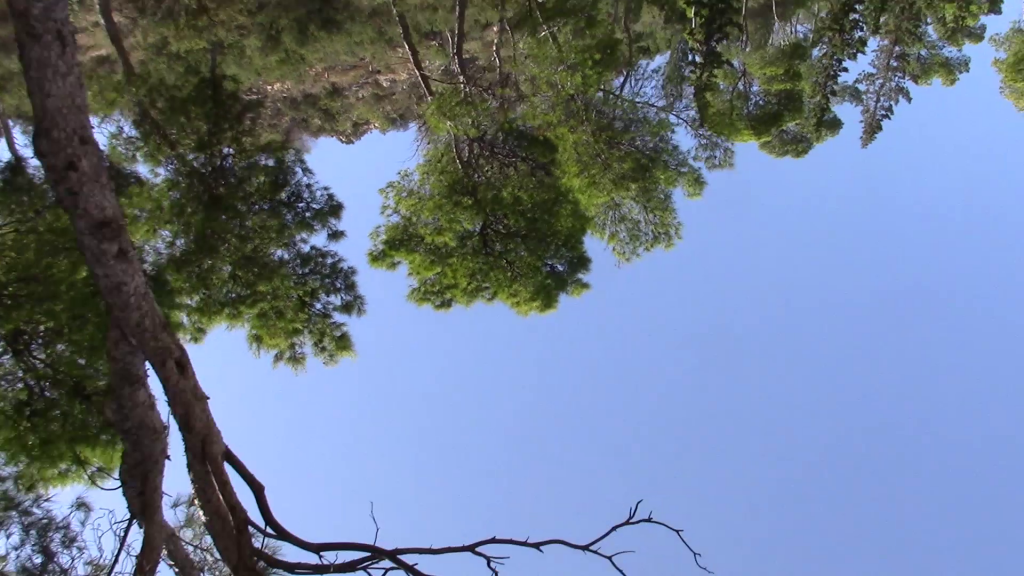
(1010, 64)
(587, 98)
(52, 326)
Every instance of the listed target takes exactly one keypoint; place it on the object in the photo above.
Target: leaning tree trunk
(132, 412)
(413, 53)
(76, 169)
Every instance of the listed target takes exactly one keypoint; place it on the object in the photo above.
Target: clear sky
(824, 377)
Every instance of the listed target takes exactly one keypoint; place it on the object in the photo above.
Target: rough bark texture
(133, 413)
(177, 556)
(76, 168)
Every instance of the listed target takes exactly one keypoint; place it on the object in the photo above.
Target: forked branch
(372, 558)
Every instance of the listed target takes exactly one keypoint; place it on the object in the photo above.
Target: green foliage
(1010, 63)
(233, 230)
(52, 335)
(909, 50)
(568, 118)
(233, 222)
(499, 228)
(37, 538)
(624, 166)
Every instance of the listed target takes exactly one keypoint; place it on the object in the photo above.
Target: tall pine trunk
(76, 169)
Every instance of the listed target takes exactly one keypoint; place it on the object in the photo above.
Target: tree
(499, 206)
(39, 537)
(76, 169)
(230, 226)
(1010, 63)
(36, 538)
(495, 225)
(605, 82)
(541, 123)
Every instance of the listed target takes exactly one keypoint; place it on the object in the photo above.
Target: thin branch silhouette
(375, 559)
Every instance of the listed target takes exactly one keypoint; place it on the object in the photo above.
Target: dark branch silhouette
(372, 555)
(120, 545)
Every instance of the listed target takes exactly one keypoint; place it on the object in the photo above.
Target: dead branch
(121, 545)
(376, 527)
(372, 555)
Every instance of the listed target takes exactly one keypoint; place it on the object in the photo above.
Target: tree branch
(372, 554)
(116, 39)
(12, 145)
(120, 546)
(179, 560)
(413, 53)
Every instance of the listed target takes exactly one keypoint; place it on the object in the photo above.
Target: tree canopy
(540, 125)
(233, 230)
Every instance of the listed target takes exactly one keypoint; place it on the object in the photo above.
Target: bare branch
(120, 546)
(372, 554)
(376, 527)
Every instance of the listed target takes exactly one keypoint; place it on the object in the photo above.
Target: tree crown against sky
(540, 124)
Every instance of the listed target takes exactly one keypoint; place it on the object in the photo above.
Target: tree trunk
(177, 557)
(460, 41)
(414, 54)
(116, 39)
(132, 412)
(77, 171)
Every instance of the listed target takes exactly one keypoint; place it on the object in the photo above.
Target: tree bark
(133, 413)
(178, 559)
(76, 169)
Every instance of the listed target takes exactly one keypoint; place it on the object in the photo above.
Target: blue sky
(820, 379)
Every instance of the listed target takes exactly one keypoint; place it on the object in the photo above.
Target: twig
(376, 527)
(120, 546)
